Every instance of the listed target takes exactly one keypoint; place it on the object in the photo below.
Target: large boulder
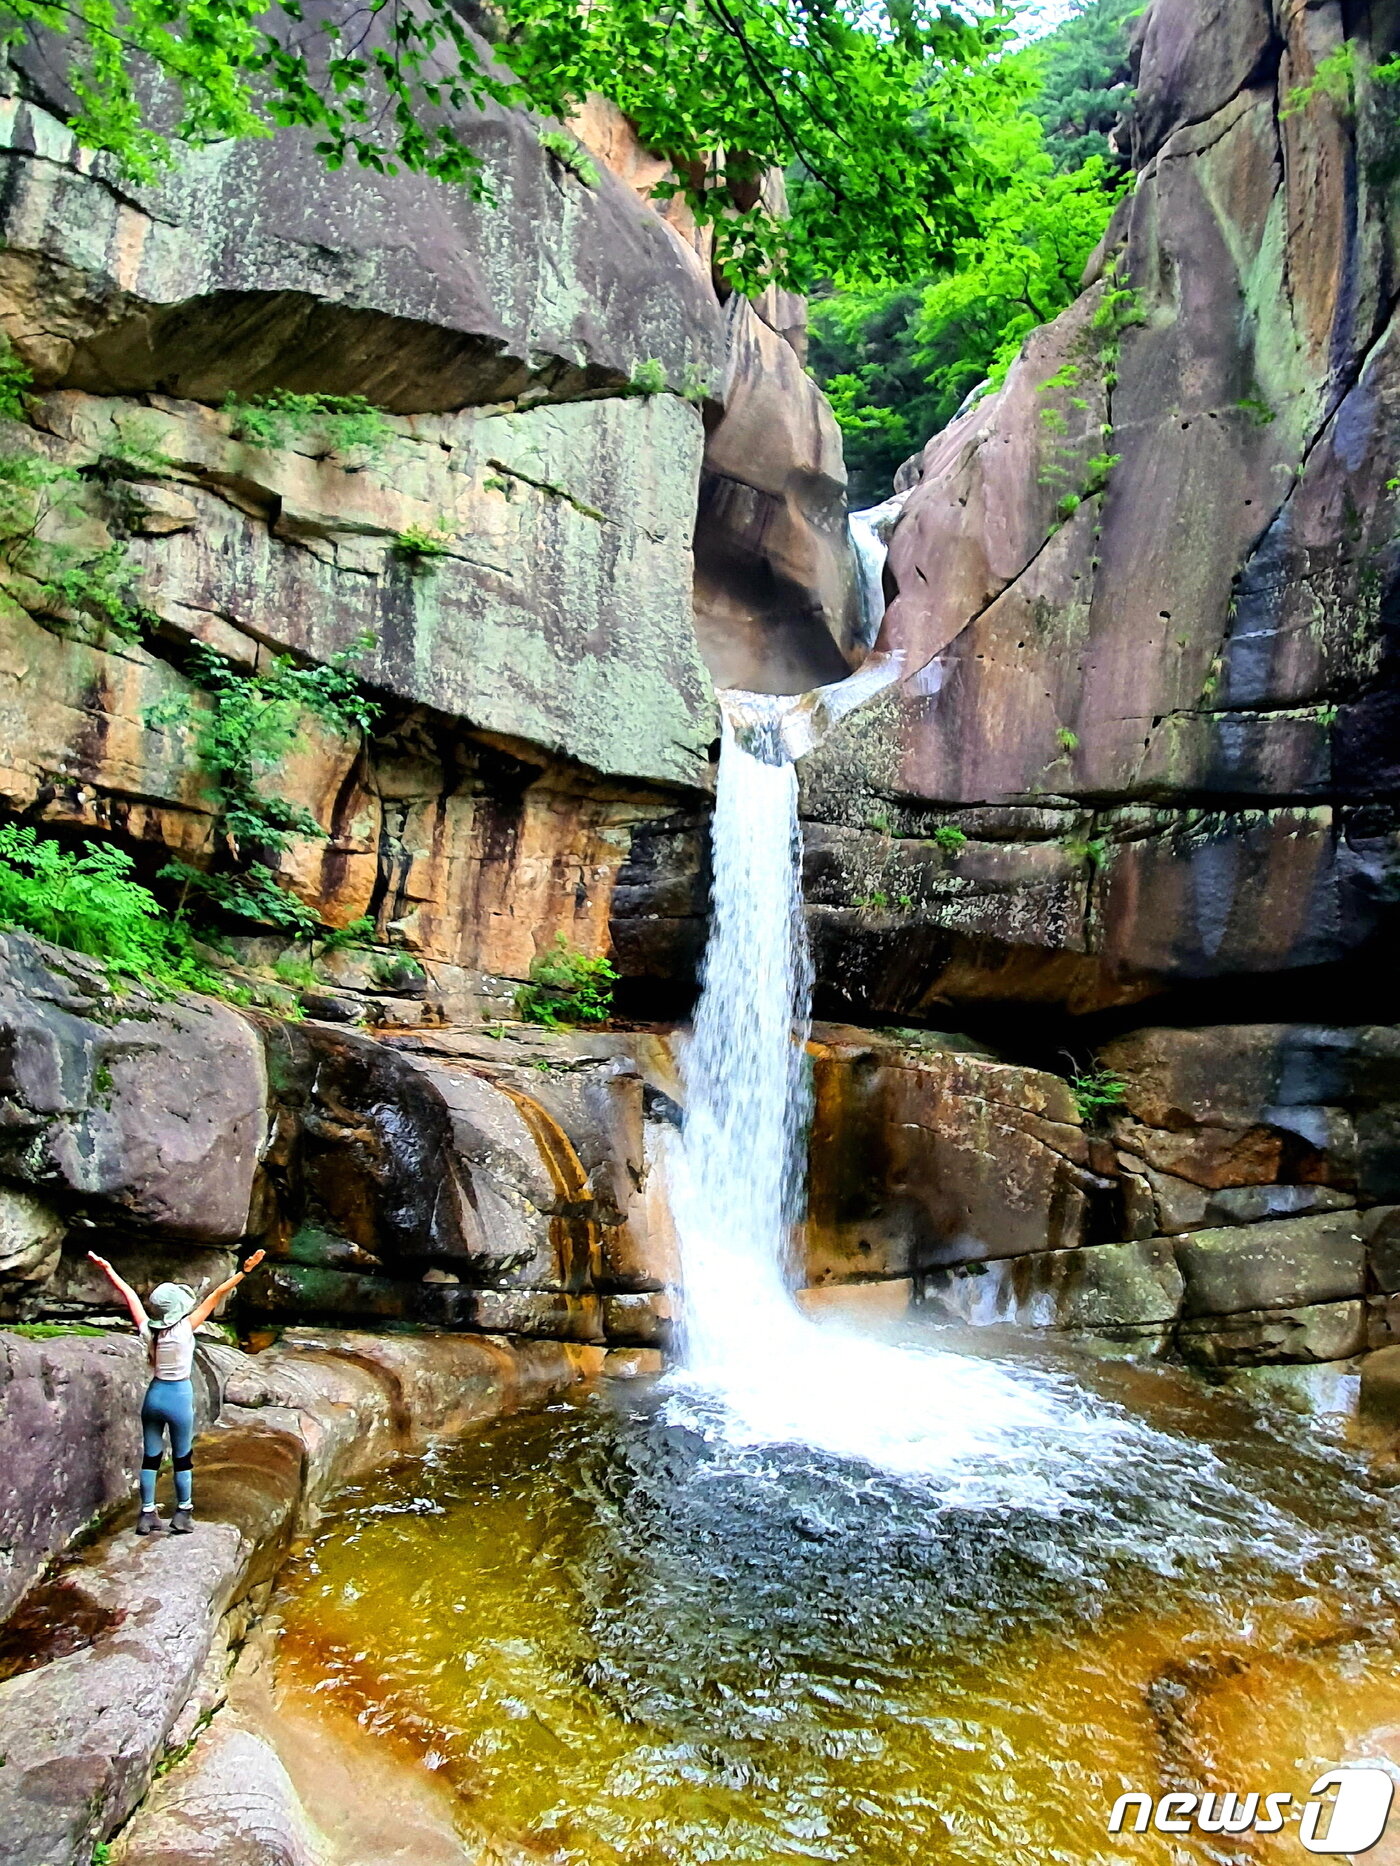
(70, 1442)
(387, 1164)
(1133, 1285)
(927, 1152)
(31, 1235)
(1245, 1105)
(1294, 1262)
(124, 1108)
(777, 589)
(251, 265)
(1325, 1331)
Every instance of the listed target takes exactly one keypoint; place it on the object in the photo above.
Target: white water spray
(738, 1178)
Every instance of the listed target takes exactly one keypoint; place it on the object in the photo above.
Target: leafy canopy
(1083, 73)
(898, 363)
(366, 78)
(871, 108)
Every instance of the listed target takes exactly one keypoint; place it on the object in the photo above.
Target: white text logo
(1349, 1822)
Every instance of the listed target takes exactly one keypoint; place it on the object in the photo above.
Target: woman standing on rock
(169, 1401)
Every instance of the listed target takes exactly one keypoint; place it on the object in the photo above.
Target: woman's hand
(252, 1262)
(102, 1265)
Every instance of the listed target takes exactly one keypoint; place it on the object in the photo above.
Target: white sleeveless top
(172, 1350)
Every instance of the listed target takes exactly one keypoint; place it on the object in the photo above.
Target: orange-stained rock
(607, 134)
(883, 1301)
(923, 1154)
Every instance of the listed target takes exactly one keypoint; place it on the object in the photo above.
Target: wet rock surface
(1226, 1210)
(83, 1724)
(928, 1152)
(124, 1108)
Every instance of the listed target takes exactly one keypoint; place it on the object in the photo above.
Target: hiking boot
(148, 1523)
(182, 1522)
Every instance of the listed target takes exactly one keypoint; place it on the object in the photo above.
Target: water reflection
(629, 1637)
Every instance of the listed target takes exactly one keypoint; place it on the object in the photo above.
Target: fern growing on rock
(241, 738)
(90, 901)
(567, 987)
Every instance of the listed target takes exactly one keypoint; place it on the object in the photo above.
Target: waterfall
(756, 1370)
(869, 548)
(739, 1189)
(870, 532)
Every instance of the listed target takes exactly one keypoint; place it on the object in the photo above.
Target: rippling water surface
(633, 1629)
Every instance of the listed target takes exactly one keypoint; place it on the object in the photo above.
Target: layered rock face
(505, 1184)
(1145, 592)
(1237, 1208)
(1250, 1176)
(515, 533)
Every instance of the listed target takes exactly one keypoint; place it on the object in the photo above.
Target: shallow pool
(624, 1630)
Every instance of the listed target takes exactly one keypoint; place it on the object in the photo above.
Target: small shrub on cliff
(241, 740)
(15, 381)
(567, 987)
(64, 581)
(349, 423)
(357, 932)
(131, 452)
(398, 971)
(103, 587)
(90, 903)
(419, 548)
(1097, 1090)
(570, 153)
(649, 377)
(950, 839)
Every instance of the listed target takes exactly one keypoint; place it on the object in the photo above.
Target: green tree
(870, 107)
(897, 363)
(1084, 80)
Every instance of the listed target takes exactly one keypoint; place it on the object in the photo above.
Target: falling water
(823, 1598)
(757, 1371)
(870, 557)
(740, 1187)
(870, 532)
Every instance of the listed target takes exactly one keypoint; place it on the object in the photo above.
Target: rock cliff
(1146, 591)
(517, 528)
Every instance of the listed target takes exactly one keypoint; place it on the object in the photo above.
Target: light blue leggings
(168, 1403)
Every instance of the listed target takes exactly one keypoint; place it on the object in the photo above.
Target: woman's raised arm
(123, 1289)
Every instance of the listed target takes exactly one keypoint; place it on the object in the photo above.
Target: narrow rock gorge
(1098, 863)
